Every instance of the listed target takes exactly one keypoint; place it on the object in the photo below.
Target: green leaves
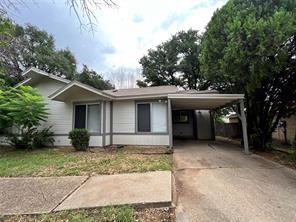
(174, 62)
(28, 46)
(92, 78)
(248, 47)
(23, 107)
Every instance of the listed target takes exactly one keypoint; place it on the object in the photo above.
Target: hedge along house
(138, 116)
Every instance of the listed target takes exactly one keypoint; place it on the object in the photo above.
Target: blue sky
(123, 34)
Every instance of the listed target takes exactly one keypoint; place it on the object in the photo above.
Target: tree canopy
(28, 46)
(174, 62)
(249, 47)
(90, 77)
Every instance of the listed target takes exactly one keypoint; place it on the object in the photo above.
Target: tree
(249, 47)
(24, 109)
(90, 77)
(5, 32)
(174, 62)
(28, 46)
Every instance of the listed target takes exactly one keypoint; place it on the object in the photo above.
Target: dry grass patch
(67, 161)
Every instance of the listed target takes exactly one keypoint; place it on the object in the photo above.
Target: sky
(123, 34)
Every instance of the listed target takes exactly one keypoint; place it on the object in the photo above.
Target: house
(138, 116)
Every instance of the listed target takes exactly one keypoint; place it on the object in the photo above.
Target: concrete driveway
(216, 181)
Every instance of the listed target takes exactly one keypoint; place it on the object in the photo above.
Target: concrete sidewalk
(48, 194)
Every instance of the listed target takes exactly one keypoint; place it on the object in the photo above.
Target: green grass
(67, 161)
(107, 214)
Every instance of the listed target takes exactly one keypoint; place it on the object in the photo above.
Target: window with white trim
(152, 117)
(88, 116)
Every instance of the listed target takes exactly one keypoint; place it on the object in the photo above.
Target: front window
(152, 117)
(88, 116)
(181, 116)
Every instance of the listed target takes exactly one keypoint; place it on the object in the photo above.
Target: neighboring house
(138, 116)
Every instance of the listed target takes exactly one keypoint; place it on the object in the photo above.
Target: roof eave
(40, 72)
(81, 85)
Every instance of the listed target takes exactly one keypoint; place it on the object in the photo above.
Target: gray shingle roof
(142, 91)
(194, 91)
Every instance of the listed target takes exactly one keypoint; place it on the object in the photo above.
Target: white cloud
(135, 26)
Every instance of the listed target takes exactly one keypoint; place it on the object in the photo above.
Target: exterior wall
(204, 127)
(108, 117)
(124, 127)
(162, 140)
(124, 115)
(107, 140)
(64, 141)
(120, 125)
(61, 113)
(184, 130)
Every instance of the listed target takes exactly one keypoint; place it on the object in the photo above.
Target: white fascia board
(40, 72)
(206, 96)
(74, 83)
(23, 82)
(142, 97)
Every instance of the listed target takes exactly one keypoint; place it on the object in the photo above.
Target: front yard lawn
(67, 161)
(106, 214)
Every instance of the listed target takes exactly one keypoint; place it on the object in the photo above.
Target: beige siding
(124, 116)
(108, 115)
(60, 113)
(107, 140)
(162, 140)
(96, 141)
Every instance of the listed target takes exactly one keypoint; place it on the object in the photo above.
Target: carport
(208, 101)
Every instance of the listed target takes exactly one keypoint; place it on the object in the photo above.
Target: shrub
(43, 138)
(79, 139)
(21, 108)
(32, 139)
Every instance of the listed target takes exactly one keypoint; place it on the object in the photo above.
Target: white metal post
(244, 126)
(170, 125)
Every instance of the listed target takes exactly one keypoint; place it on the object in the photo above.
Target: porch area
(200, 109)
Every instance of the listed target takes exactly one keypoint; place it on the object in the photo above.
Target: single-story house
(137, 116)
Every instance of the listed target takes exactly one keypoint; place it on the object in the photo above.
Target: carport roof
(203, 101)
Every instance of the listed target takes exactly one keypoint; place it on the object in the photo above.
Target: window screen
(80, 112)
(144, 118)
(159, 117)
(93, 118)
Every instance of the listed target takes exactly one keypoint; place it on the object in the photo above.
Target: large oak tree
(249, 47)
